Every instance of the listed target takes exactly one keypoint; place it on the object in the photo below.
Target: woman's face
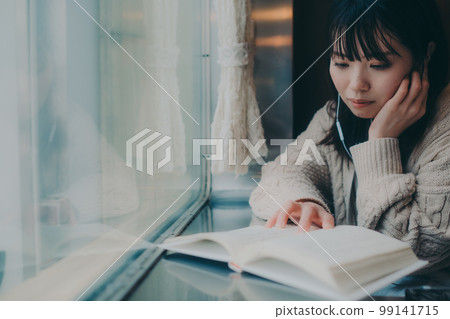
(365, 86)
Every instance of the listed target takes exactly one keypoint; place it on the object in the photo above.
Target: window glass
(100, 103)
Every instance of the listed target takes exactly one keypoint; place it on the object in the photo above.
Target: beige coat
(410, 203)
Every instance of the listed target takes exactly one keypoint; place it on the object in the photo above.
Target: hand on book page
(306, 214)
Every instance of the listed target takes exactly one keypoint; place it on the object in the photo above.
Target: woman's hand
(308, 215)
(404, 109)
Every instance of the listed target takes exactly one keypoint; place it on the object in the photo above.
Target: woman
(384, 138)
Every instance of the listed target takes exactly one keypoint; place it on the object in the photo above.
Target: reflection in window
(74, 97)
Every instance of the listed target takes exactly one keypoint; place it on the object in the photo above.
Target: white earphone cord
(339, 128)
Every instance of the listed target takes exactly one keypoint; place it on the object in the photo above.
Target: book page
(333, 254)
(223, 246)
(340, 245)
(251, 235)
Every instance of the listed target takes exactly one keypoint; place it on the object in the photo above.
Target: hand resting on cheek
(406, 107)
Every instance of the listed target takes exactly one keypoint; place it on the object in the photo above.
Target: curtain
(237, 108)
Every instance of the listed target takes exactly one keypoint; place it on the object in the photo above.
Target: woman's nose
(359, 82)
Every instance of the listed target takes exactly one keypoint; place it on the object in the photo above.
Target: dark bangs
(346, 34)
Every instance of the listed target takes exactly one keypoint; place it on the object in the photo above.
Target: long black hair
(414, 24)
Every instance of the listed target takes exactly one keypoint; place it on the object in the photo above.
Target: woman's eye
(341, 65)
(380, 66)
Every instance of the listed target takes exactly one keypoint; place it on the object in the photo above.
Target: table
(179, 277)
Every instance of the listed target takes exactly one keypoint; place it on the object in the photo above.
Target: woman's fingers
(315, 217)
(281, 216)
(282, 219)
(327, 220)
(425, 85)
(425, 71)
(307, 215)
(401, 93)
(277, 220)
(272, 220)
(414, 90)
(314, 227)
(417, 106)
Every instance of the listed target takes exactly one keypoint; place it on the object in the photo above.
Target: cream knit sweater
(409, 203)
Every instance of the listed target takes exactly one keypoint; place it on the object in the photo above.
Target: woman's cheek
(391, 86)
(332, 74)
(337, 79)
(394, 77)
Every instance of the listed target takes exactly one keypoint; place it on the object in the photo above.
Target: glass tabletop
(181, 277)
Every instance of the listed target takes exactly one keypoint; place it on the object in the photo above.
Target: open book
(343, 263)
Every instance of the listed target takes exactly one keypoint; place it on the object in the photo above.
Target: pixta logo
(145, 149)
(142, 142)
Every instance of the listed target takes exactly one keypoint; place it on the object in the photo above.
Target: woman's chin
(363, 114)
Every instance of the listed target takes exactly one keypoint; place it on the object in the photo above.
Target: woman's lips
(360, 103)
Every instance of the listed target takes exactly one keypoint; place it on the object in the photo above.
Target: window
(80, 79)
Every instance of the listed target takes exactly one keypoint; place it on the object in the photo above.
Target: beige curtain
(236, 108)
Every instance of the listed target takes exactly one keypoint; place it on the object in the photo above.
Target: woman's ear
(430, 50)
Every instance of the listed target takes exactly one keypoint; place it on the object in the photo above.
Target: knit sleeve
(300, 173)
(412, 207)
